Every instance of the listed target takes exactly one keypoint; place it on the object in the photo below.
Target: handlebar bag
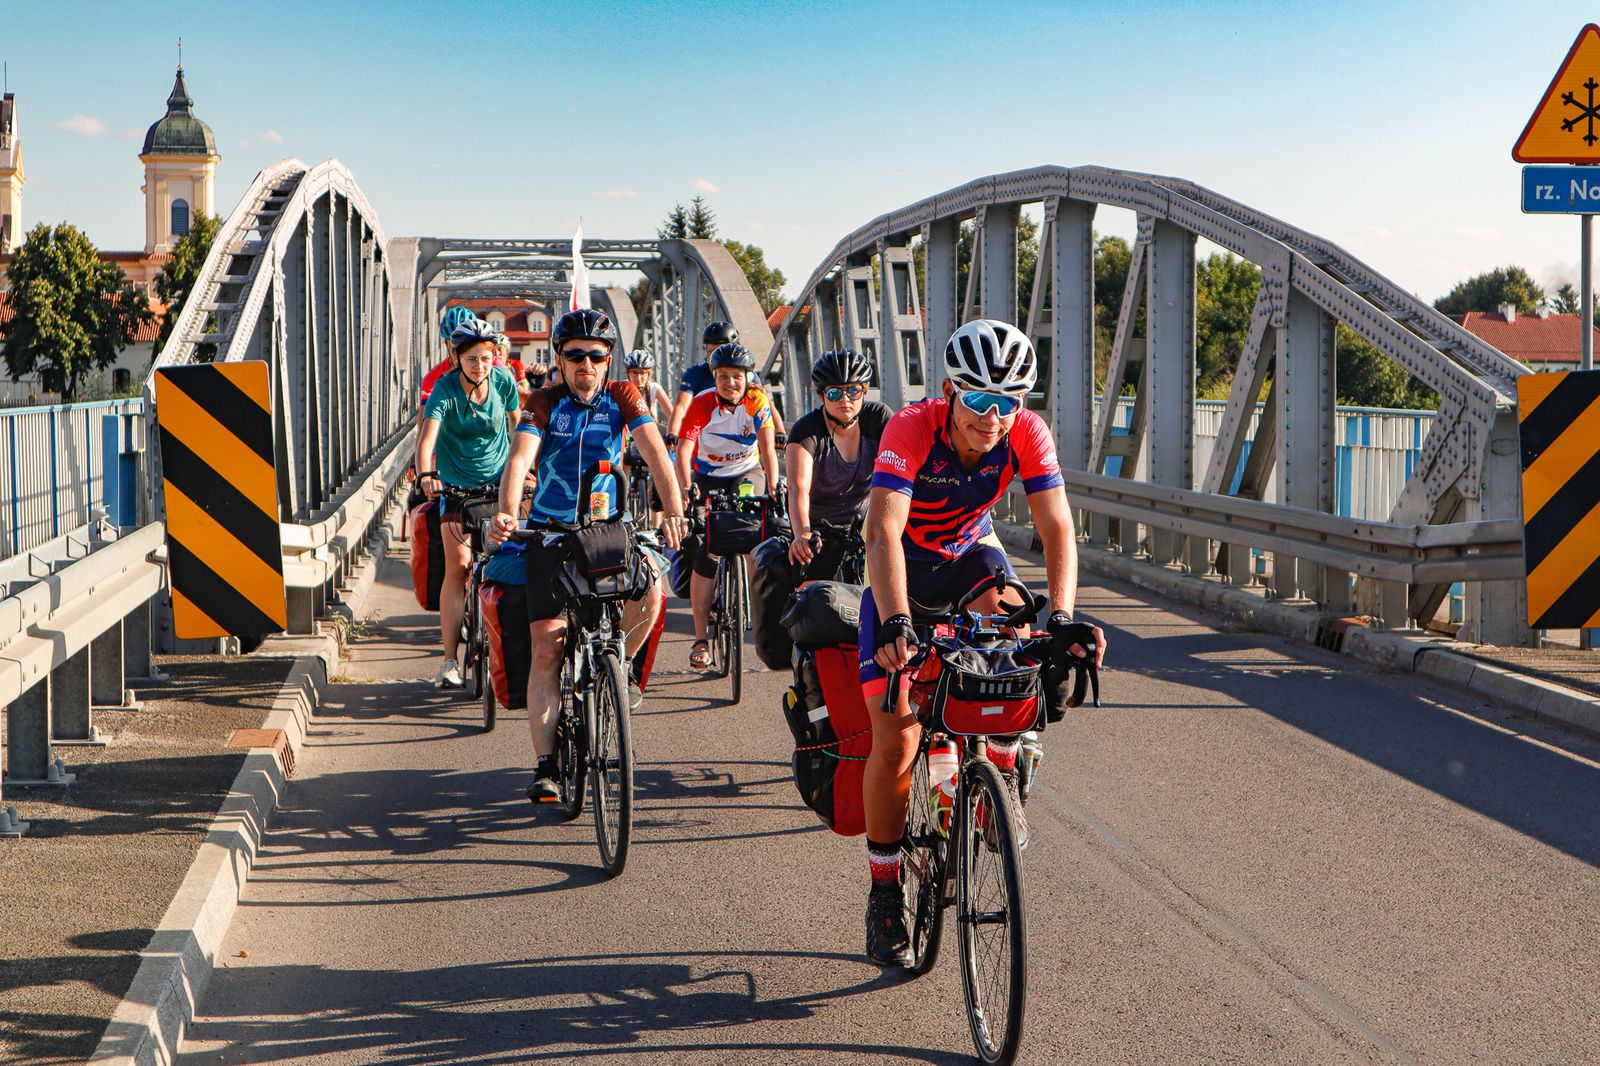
(427, 555)
(730, 533)
(967, 690)
(825, 613)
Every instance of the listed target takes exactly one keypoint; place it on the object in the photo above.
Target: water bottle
(599, 506)
(1028, 765)
(747, 488)
(943, 764)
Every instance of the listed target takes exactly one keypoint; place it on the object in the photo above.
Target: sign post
(1564, 128)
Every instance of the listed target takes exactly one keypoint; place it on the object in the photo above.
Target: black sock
(884, 862)
(548, 768)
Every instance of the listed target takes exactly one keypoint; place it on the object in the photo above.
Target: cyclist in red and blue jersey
(566, 428)
(942, 465)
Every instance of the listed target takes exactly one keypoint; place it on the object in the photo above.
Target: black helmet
(843, 367)
(583, 324)
(719, 333)
(733, 356)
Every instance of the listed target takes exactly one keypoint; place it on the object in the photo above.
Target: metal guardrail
(52, 469)
(318, 554)
(1384, 551)
(73, 629)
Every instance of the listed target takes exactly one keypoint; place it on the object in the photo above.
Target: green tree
(767, 282)
(1567, 301)
(676, 227)
(177, 278)
(1225, 296)
(1112, 258)
(72, 313)
(1368, 378)
(1486, 292)
(702, 220)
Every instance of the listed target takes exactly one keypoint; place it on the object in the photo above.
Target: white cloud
(616, 194)
(1481, 233)
(702, 185)
(84, 125)
(755, 227)
(132, 134)
(1383, 233)
(272, 137)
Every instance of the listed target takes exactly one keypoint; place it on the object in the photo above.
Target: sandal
(700, 655)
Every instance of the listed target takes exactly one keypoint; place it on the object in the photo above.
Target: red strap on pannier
(839, 671)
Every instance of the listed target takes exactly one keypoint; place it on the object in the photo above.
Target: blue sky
(1384, 127)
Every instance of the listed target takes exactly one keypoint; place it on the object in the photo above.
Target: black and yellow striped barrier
(221, 489)
(1559, 416)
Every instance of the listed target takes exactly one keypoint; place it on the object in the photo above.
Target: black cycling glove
(1067, 678)
(1064, 633)
(895, 627)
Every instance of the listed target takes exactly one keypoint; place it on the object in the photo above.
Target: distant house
(526, 325)
(124, 375)
(1543, 341)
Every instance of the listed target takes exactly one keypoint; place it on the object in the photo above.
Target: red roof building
(525, 324)
(1543, 341)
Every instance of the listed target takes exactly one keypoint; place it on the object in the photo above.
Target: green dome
(180, 133)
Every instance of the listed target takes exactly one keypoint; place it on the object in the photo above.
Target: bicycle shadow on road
(558, 1009)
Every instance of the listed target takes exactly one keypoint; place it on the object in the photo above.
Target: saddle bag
(827, 716)
(825, 613)
(427, 555)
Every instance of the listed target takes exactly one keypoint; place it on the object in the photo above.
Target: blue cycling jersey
(573, 435)
(697, 379)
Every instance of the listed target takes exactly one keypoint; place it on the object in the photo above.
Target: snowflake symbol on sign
(1587, 112)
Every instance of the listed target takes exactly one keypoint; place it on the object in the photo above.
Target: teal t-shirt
(474, 438)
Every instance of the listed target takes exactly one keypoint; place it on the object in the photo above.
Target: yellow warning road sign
(221, 489)
(1559, 419)
(1565, 127)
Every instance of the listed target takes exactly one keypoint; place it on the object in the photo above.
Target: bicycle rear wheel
(924, 866)
(612, 764)
(488, 691)
(990, 921)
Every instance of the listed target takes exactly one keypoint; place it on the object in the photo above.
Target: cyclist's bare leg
(547, 641)
(886, 779)
(701, 590)
(453, 592)
(639, 618)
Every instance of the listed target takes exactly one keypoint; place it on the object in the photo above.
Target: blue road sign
(1551, 190)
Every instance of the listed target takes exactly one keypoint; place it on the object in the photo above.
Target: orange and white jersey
(725, 434)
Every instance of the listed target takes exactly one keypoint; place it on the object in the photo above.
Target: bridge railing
(892, 289)
(52, 469)
(75, 628)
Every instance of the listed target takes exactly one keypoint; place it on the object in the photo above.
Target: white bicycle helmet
(986, 355)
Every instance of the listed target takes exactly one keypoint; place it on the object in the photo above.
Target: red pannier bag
(505, 617)
(427, 555)
(970, 690)
(827, 714)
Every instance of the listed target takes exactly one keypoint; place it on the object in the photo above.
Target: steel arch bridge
(301, 276)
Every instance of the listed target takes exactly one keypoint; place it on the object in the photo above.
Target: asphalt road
(1254, 853)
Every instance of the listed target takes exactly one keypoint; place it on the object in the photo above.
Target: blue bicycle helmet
(452, 318)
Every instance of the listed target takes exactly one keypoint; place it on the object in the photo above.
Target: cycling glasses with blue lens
(981, 403)
(594, 355)
(835, 393)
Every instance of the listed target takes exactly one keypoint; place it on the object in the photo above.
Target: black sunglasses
(835, 393)
(594, 355)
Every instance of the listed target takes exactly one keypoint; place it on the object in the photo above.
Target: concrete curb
(175, 968)
(1437, 658)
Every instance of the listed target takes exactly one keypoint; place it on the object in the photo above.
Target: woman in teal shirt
(466, 430)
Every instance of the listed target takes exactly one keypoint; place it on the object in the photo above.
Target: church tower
(11, 177)
(180, 171)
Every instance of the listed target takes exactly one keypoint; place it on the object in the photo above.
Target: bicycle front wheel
(733, 631)
(572, 755)
(924, 865)
(612, 764)
(990, 922)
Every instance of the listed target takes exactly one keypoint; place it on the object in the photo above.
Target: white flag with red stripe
(580, 273)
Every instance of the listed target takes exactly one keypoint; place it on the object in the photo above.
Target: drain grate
(266, 738)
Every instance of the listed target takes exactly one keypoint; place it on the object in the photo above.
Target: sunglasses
(593, 355)
(981, 403)
(835, 393)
